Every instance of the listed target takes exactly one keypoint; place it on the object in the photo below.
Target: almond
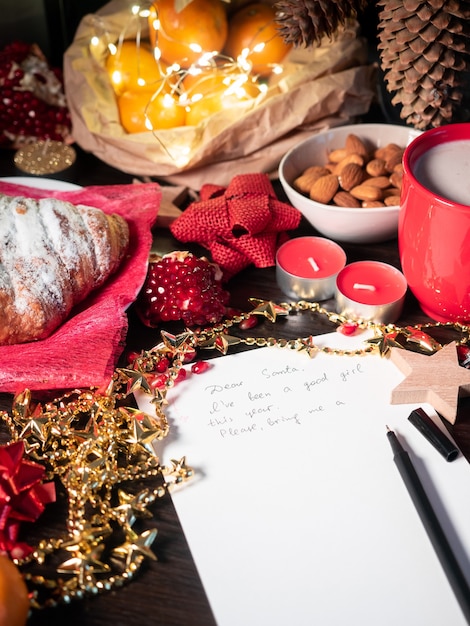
(376, 167)
(372, 204)
(396, 179)
(350, 158)
(335, 156)
(366, 192)
(354, 144)
(345, 199)
(304, 182)
(382, 182)
(324, 189)
(392, 201)
(351, 176)
(393, 160)
(317, 170)
(386, 151)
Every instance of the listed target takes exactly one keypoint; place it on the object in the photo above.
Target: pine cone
(424, 53)
(308, 21)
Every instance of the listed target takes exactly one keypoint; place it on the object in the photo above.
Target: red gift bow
(23, 496)
(239, 224)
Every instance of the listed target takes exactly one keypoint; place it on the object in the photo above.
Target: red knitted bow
(239, 224)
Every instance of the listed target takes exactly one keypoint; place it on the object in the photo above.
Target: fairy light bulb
(116, 78)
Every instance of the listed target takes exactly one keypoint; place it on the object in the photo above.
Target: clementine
(216, 93)
(253, 34)
(183, 36)
(14, 597)
(141, 111)
(133, 67)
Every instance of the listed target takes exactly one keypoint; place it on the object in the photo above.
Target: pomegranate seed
(181, 375)
(189, 355)
(157, 381)
(162, 365)
(249, 322)
(200, 367)
(132, 356)
(348, 328)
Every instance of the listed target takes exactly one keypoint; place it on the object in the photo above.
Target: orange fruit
(182, 36)
(133, 67)
(253, 33)
(207, 80)
(215, 94)
(14, 599)
(161, 110)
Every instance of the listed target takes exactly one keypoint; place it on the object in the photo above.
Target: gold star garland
(386, 336)
(91, 442)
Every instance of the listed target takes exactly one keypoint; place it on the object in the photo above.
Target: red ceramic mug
(434, 221)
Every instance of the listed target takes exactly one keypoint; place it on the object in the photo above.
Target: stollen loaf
(52, 255)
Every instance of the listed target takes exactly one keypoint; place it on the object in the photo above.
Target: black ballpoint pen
(431, 523)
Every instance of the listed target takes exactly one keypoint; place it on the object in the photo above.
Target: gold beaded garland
(92, 442)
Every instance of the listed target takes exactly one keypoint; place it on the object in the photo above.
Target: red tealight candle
(370, 290)
(307, 267)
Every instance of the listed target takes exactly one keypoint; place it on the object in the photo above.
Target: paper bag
(322, 87)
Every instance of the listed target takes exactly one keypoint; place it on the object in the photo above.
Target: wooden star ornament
(437, 379)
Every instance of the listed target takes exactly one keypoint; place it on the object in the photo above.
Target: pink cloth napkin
(83, 351)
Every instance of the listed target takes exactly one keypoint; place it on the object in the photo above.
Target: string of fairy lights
(236, 75)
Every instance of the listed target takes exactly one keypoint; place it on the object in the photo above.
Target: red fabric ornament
(23, 496)
(239, 224)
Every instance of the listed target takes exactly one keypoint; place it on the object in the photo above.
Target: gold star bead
(21, 408)
(136, 502)
(136, 547)
(84, 562)
(308, 345)
(181, 342)
(140, 439)
(219, 342)
(135, 380)
(437, 379)
(159, 398)
(268, 309)
(384, 341)
(425, 343)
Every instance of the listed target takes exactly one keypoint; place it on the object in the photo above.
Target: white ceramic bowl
(349, 224)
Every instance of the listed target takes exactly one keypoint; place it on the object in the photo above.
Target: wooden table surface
(169, 591)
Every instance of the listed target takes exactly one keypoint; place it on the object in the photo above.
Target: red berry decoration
(181, 286)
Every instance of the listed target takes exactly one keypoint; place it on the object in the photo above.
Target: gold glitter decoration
(45, 157)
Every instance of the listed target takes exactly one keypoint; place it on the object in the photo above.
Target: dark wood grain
(169, 591)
